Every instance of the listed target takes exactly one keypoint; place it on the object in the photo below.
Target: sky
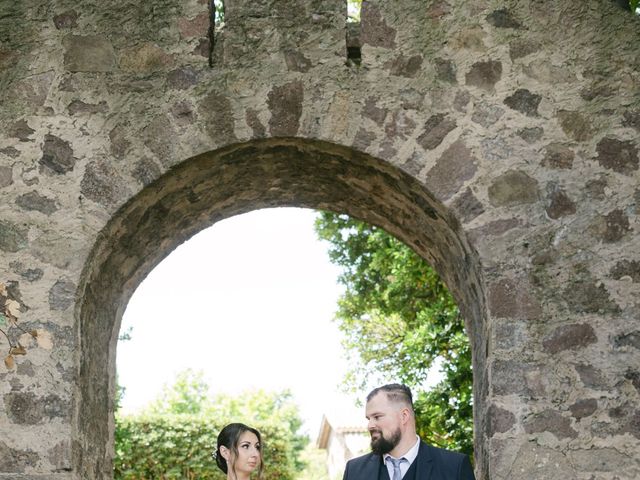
(250, 302)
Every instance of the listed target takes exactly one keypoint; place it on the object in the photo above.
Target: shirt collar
(410, 455)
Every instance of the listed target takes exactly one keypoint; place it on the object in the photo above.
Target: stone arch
(233, 180)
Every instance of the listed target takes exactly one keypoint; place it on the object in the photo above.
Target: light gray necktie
(397, 473)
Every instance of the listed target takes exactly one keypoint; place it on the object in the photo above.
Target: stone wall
(498, 139)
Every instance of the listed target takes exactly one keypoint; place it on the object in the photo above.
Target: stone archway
(234, 180)
(520, 118)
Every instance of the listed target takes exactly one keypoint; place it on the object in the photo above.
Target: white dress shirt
(410, 456)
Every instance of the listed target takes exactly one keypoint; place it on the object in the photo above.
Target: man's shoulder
(441, 452)
(367, 457)
(451, 464)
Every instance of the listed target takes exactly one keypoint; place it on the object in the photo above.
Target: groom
(397, 451)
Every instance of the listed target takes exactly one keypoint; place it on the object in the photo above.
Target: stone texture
(21, 131)
(119, 142)
(34, 201)
(25, 408)
(285, 103)
(520, 48)
(530, 134)
(194, 27)
(503, 18)
(103, 184)
(145, 171)
(375, 30)
(16, 461)
(552, 422)
(88, 53)
(252, 119)
(29, 274)
(586, 296)
(495, 228)
(13, 237)
(435, 130)
(9, 152)
(79, 107)
(559, 204)
(484, 75)
(467, 206)
(62, 294)
(217, 113)
(296, 61)
(584, 408)
(152, 144)
(365, 138)
(157, 136)
(513, 188)
(524, 102)
(6, 176)
(517, 378)
(445, 70)
(182, 78)
(632, 120)
(612, 227)
(569, 337)
(183, 113)
(372, 111)
(57, 156)
(456, 165)
(512, 299)
(591, 377)
(617, 155)
(402, 66)
(575, 125)
(628, 340)
(66, 20)
(486, 114)
(145, 58)
(500, 420)
(558, 156)
(626, 268)
(602, 460)
(634, 378)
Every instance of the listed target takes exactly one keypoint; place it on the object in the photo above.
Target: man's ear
(405, 415)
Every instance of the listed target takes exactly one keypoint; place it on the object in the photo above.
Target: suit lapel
(424, 465)
(371, 468)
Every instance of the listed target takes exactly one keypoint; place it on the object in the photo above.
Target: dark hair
(229, 437)
(396, 392)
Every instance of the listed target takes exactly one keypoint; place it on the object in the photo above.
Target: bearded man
(397, 453)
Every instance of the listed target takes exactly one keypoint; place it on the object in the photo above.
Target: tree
(398, 318)
(189, 393)
(184, 414)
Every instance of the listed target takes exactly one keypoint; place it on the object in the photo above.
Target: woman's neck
(238, 476)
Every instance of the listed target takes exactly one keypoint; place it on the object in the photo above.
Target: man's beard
(383, 445)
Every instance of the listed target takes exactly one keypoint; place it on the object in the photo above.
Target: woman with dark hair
(239, 451)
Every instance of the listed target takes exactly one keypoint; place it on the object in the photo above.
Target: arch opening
(233, 180)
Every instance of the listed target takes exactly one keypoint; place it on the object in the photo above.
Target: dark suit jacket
(432, 464)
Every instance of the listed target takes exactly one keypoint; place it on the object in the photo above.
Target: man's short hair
(396, 392)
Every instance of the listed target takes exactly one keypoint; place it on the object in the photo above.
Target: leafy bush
(179, 446)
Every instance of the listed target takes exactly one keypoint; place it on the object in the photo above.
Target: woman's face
(248, 453)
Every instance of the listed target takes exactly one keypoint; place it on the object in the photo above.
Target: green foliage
(180, 427)
(316, 464)
(218, 11)
(180, 446)
(398, 318)
(188, 394)
(260, 406)
(634, 5)
(353, 10)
